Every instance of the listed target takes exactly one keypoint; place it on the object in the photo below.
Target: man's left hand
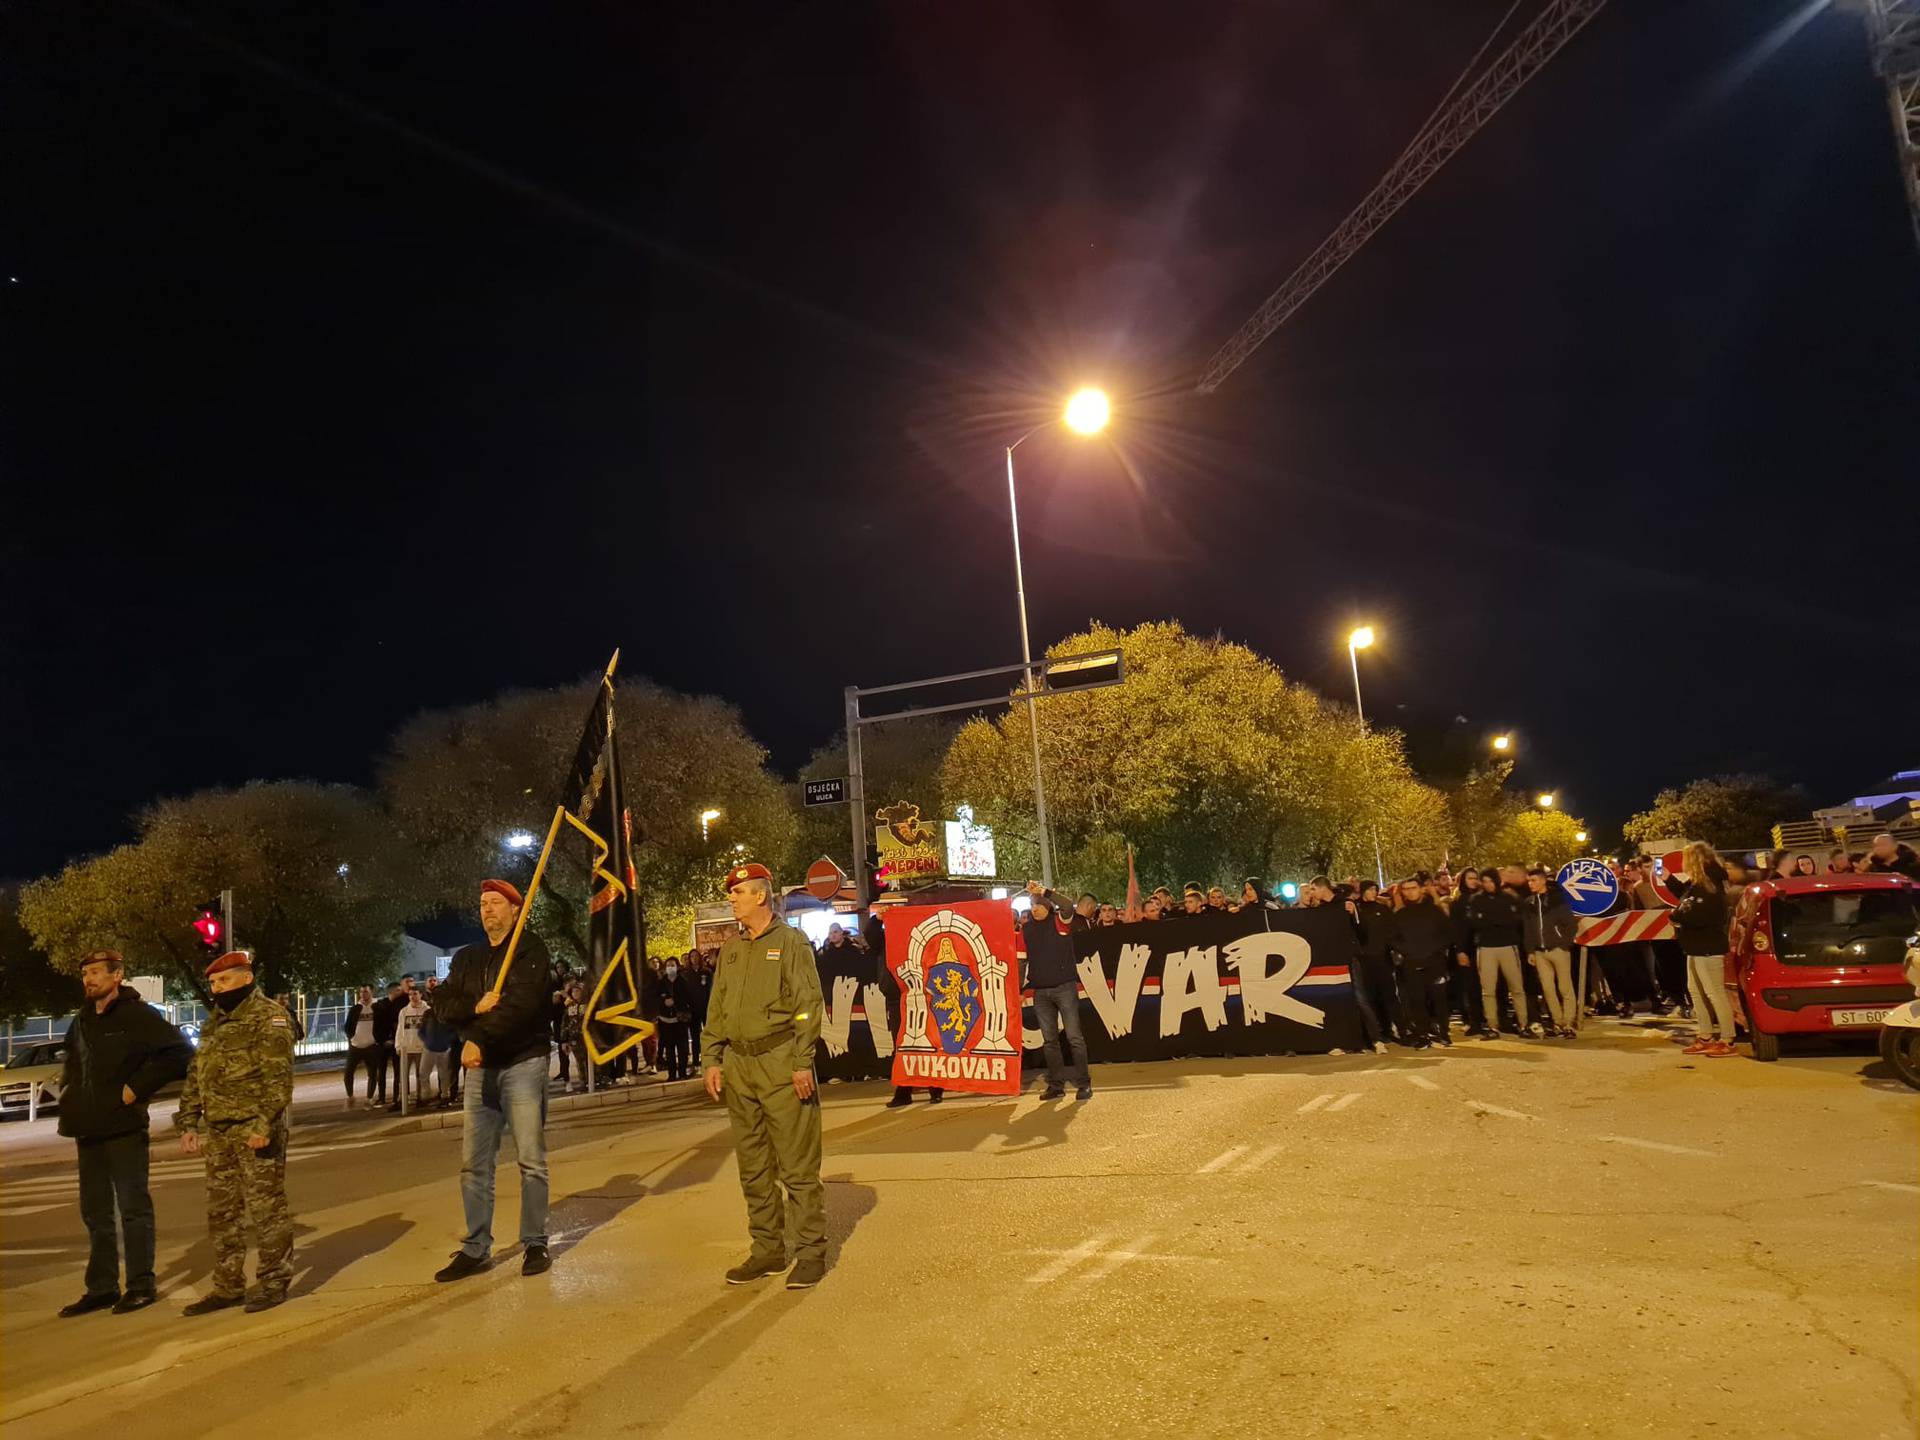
(257, 1142)
(469, 1056)
(487, 1002)
(803, 1084)
(127, 1097)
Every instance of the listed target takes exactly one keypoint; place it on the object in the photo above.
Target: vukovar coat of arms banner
(959, 996)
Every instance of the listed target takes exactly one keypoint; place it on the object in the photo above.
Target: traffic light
(211, 928)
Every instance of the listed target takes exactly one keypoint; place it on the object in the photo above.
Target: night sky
(361, 358)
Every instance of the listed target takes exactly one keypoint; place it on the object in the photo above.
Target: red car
(1821, 955)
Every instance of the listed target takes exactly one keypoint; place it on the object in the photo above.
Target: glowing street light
(1503, 743)
(707, 817)
(1544, 800)
(1088, 411)
(1579, 837)
(522, 840)
(1356, 642)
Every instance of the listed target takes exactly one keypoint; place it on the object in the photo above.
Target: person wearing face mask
(673, 1012)
(234, 1110)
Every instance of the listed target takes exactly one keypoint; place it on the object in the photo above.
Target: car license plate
(1860, 1017)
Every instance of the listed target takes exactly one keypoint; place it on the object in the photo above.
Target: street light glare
(1546, 802)
(1088, 411)
(521, 840)
(707, 817)
(1580, 837)
(1502, 742)
(1361, 638)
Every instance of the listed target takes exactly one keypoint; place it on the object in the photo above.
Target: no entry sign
(824, 879)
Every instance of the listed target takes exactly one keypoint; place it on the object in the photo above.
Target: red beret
(740, 874)
(232, 960)
(503, 889)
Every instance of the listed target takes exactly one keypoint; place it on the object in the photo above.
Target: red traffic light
(208, 927)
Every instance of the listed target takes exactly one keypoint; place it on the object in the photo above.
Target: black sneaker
(461, 1266)
(1084, 1093)
(1446, 1040)
(266, 1301)
(207, 1304)
(807, 1274)
(900, 1097)
(756, 1267)
(134, 1300)
(934, 1097)
(1054, 1092)
(86, 1304)
(537, 1261)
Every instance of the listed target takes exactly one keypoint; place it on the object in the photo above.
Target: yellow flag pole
(526, 904)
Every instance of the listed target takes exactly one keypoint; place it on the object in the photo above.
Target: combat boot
(756, 1267)
(807, 1274)
(207, 1304)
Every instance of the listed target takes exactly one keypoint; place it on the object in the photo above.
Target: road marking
(1483, 1108)
(1222, 1160)
(1657, 1145)
(1066, 1260)
(1343, 1101)
(1257, 1159)
(13, 1210)
(1105, 1261)
(10, 1251)
(1893, 1185)
(1314, 1104)
(1422, 1082)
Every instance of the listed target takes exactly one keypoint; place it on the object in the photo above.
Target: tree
(1207, 760)
(900, 760)
(1538, 837)
(320, 889)
(1728, 811)
(1483, 810)
(458, 782)
(29, 985)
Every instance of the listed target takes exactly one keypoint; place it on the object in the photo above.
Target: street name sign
(825, 792)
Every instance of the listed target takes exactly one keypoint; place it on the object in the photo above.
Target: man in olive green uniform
(763, 1021)
(236, 1109)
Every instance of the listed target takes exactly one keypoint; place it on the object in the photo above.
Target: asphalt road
(1510, 1238)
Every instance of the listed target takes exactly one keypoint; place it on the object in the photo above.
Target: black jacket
(1495, 919)
(129, 1044)
(1050, 956)
(386, 1019)
(669, 1001)
(517, 1028)
(1547, 920)
(1420, 934)
(1904, 862)
(1700, 919)
(1373, 922)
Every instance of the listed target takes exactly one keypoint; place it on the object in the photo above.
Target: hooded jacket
(127, 1046)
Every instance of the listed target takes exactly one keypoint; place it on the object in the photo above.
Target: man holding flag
(500, 1013)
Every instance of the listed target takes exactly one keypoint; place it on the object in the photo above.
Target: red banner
(959, 996)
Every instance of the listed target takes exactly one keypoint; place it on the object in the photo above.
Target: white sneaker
(1379, 1047)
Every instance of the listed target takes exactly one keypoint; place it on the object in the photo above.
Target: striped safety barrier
(1627, 928)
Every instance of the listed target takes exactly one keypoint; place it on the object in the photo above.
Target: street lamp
(1544, 799)
(1503, 743)
(1579, 837)
(1087, 413)
(707, 817)
(1356, 642)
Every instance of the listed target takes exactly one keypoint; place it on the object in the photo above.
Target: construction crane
(1893, 30)
(1450, 127)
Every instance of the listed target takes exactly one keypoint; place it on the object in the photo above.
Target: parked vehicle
(1820, 955)
(39, 1067)
(1900, 1031)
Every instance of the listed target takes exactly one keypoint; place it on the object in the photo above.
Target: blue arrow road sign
(1590, 885)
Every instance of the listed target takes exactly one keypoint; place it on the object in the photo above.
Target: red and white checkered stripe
(1626, 928)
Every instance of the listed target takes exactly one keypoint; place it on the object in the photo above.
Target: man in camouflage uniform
(236, 1108)
(763, 1022)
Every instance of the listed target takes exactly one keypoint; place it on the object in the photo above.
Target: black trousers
(367, 1058)
(676, 1049)
(385, 1061)
(1373, 992)
(1463, 992)
(1423, 999)
(113, 1176)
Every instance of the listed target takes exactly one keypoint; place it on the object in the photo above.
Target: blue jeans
(508, 1097)
(1055, 1009)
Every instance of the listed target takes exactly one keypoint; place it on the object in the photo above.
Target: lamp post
(1087, 413)
(707, 817)
(1356, 642)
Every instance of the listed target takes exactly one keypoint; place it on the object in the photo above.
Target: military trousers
(247, 1199)
(776, 1137)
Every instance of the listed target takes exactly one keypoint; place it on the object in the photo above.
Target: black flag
(616, 931)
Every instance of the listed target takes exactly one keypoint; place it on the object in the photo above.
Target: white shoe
(1379, 1047)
